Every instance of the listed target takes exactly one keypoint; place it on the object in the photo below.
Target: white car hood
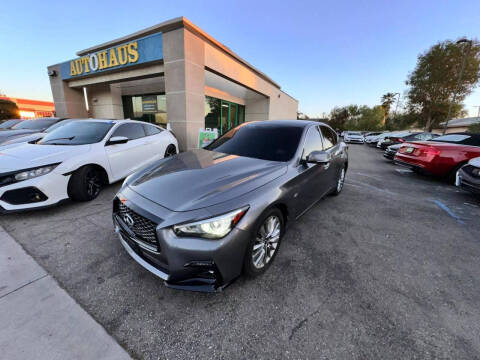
(30, 155)
(475, 162)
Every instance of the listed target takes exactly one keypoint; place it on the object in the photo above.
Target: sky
(323, 53)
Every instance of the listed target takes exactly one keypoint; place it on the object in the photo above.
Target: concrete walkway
(39, 320)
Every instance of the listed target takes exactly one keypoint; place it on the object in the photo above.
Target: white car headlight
(213, 228)
(35, 172)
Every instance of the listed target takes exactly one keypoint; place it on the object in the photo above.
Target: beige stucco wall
(105, 101)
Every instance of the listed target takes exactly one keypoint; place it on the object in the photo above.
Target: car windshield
(34, 124)
(260, 141)
(8, 124)
(463, 139)
(57, 125)
(77, 133)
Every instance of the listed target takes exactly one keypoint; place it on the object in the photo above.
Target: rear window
(34, 124)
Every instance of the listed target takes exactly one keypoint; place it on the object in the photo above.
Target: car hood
(201, 178)
(27, 155)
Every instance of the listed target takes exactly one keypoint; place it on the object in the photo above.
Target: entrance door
(229, 116)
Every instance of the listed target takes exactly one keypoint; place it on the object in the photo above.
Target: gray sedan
(200, 218)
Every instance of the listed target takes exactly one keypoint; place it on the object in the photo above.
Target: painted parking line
(445, 208)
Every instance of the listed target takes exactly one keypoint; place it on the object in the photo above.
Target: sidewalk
(39, 320)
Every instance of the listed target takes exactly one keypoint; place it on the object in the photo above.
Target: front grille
(143, 228)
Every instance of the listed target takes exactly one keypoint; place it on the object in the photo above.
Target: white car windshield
(77, 133)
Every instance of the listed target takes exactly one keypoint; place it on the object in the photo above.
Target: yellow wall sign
(105, 59)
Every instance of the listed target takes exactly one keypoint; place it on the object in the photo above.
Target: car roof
(287, 123)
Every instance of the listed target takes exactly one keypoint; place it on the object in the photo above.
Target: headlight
(476, 172)
(213, 228)
(35, 172)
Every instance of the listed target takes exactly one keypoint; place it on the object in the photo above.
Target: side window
(151, 130)
(329, 138)
(131, 131)
(313, 142)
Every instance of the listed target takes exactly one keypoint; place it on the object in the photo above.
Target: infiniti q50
(200, 218)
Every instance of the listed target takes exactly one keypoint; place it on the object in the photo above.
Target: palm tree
(387, 100)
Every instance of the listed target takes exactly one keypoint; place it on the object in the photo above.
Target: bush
(475, 128)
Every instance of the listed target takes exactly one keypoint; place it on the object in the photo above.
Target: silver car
(200, 218)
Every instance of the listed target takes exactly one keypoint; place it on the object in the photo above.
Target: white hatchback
(77, 159)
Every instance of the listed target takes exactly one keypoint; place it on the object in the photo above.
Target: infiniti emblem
(128, 220)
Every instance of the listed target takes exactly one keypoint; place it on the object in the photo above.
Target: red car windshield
(462, 139)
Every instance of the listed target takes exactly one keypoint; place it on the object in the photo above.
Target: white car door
(131, 156)
(156, 142)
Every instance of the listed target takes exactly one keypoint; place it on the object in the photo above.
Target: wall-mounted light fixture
(52, 73)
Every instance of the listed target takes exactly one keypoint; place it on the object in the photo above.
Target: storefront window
(223, 115)
(148, 108)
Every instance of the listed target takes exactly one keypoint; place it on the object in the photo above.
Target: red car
(442, 156)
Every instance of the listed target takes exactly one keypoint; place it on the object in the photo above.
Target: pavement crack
(301, 323)
(21, 287)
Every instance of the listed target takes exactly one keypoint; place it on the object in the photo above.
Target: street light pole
(464, 63)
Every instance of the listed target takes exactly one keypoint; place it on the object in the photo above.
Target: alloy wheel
(266, 241)
(93, 183)
(170, 151)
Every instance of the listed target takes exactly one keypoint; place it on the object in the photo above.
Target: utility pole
(464, 62)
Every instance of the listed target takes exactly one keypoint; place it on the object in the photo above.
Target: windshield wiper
(64, 138)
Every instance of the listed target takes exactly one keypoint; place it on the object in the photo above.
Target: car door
(310, 183)
(331, 146)
(126, 158)
(155, 142)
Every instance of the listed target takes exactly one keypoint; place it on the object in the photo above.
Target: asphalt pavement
(386, 270)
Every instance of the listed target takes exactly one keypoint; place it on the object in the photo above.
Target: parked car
(372, 138)
(75, 160)
(442, 156)
(17, 141)
(353, 137)
(385, 141)
(27, 127)
(196, 220)
(392, 149)
(468, 177)
(8, 124)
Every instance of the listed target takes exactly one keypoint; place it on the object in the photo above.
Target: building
(171, 73)
(30, 109)
(460, 125)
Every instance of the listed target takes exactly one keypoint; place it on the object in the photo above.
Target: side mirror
(318, 157)
(117, 140)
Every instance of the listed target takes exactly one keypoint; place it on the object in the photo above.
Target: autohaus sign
(139, 51)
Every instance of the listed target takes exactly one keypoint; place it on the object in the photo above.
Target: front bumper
(389, 154)
(36, 193)
(467, 182)
(354, 141)
(182, 262)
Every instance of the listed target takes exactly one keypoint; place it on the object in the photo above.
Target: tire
(451, 177)
(340, 182)
(270, 245)
(85, 183)
(170, 151)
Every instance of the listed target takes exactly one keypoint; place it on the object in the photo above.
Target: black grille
(142, 227)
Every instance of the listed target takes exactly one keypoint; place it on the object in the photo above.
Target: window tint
(260, 141)
(131, 131)
(9, 123)
(313, 142)
(151, 130)
(329, 138)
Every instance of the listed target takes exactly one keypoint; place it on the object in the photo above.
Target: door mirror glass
(114, 140)
(318, 157)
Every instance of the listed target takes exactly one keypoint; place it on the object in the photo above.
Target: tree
(338, 118)
(474, 128)
(433, 82)
(387, 100)
(8, 109)
(370, 119)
